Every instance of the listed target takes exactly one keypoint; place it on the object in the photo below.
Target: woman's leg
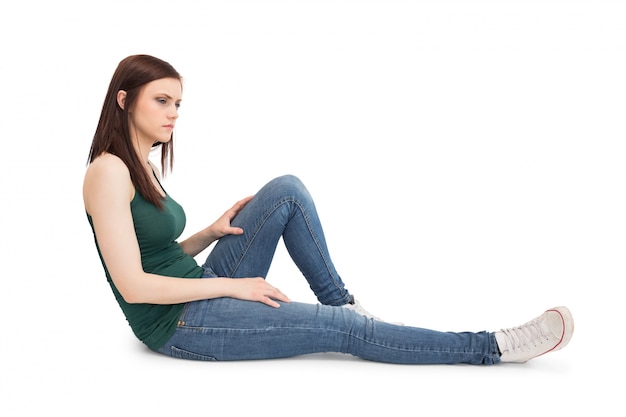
(282, 208)
(232, 329)
(226, 329)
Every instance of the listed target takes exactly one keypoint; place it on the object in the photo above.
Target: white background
(466, 158)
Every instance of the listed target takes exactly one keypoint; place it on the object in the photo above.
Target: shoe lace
(357, 307)
(527, 334)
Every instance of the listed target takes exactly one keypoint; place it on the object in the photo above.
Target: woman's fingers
(258, 289)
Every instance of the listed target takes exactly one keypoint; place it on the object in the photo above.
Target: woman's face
(156, 110)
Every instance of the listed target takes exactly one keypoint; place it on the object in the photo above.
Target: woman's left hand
(222, 226)
(201, 240)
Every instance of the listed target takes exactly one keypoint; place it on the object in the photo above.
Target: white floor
(66, 375)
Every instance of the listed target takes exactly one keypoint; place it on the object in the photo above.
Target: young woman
(225, 309)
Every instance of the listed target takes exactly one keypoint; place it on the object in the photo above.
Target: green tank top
(157, 231)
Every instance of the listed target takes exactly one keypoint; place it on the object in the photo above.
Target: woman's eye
(177, 105)
(162, 100)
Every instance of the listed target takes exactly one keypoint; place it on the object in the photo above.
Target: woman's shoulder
(109, 166)
(107, 177)
(108, 160)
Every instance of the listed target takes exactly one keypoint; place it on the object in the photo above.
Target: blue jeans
(230, 329)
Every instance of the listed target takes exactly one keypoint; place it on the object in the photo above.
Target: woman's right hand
(256, 289)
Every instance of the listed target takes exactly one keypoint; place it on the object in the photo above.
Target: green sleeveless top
(157, 231)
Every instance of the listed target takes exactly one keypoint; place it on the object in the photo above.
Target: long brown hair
(113, 132)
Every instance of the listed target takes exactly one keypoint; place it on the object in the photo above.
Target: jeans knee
(290, 185)
(289, 180)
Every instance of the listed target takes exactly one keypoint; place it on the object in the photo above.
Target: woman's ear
(121, 98)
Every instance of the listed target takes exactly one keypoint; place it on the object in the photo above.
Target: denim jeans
(230, 329)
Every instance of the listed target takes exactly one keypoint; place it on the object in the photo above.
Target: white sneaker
(547, 333)
(358, 308)
(354, 305)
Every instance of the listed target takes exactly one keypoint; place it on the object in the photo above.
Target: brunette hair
(113, 132)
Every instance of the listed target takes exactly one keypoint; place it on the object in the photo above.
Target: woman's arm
(198, 242)
(107, 193)
(201, 240)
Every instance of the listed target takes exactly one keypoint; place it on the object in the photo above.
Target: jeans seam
(319, 248)
(335, 331)
(253, 237)
(305, 215)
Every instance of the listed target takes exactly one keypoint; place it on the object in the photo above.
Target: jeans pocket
(185, 354)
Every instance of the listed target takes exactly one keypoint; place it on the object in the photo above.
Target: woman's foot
(547, 333)
(355, 306)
